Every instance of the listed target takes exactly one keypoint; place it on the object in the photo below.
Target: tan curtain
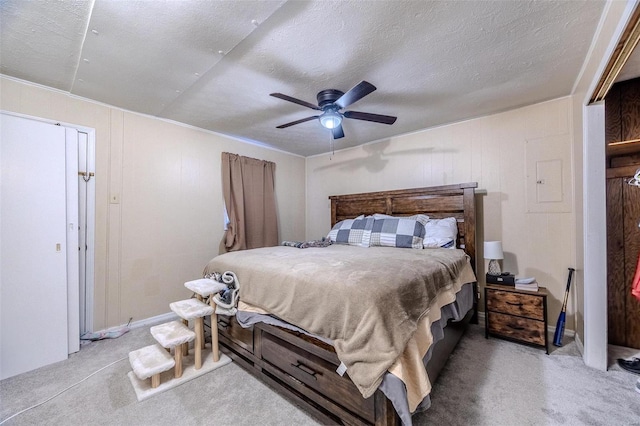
(248, 187)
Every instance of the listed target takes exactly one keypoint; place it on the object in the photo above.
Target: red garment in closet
(635, 285)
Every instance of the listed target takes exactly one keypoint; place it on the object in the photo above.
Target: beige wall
(166, 221)
(490, 150)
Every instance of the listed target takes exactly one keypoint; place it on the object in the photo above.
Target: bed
(308, 315)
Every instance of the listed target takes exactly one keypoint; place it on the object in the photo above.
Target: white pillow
(441, 233)
(431, 242)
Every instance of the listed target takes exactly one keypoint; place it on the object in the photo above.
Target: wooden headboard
(437, 202)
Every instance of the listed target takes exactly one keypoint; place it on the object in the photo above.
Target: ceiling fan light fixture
(330, 102)
(330, 119)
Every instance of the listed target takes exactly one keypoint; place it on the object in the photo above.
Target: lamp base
(494, 268)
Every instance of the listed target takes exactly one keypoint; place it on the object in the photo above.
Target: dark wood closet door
(631, 203)
(616, 288)
(623, 247)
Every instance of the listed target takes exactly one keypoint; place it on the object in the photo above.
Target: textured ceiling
(213, 64)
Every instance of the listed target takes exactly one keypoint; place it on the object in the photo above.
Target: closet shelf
(615, 149)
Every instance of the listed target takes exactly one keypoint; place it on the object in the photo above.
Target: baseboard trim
(158, 319)
(579, 344)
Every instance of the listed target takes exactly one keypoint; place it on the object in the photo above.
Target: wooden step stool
(206, 287)
(192, 309)
(172, 335)
(150, 361)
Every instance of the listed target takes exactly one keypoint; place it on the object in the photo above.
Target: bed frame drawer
(317, 374)
(229, 327)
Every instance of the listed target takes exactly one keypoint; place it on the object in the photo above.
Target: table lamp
(493, 252)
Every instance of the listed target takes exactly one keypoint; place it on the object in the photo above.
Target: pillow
(422, 218)
(441, 233)
(431, 242)
(353, 232)
(397, 232)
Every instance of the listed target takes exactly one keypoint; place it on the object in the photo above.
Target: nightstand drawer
(523, 305)
(518, 328)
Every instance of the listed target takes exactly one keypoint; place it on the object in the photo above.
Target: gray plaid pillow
(397, 232)
(354, 232)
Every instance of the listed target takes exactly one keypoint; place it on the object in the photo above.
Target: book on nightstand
(527, 284)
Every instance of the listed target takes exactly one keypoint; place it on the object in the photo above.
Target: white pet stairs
(152, 360)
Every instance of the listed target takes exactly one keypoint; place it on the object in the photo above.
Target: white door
(33, 247)
(72, 222)
(85, 181)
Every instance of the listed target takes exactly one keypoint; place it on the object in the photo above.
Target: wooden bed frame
(303, 368)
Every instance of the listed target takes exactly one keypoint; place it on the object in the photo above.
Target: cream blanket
(369, 301)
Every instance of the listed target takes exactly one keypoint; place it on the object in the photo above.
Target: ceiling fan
(331, 101)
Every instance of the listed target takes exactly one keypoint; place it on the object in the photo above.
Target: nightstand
(517, 315)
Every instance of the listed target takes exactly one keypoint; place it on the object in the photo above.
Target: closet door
(623, 248)
(631, 208)
(33, 249)
(616, 288)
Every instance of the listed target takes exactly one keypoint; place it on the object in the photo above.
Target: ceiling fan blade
(356, 93)
(293, 123)
(367, 116)
(295, 100)
(338, 132)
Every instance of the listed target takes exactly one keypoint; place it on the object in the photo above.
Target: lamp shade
(493, 250)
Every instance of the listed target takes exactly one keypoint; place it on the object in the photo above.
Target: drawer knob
(516, 327)
(308, 370)
(514, 304)
(222, 323)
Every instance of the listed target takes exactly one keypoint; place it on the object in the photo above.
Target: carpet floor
(496, 382)
(486, 382)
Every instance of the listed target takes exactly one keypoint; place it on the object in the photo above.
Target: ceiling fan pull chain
(331, 148)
